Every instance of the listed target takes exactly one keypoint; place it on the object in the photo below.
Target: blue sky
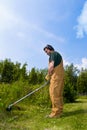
(26, 26)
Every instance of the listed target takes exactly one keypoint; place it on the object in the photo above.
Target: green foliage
(16, 75)
(12, 92)
(70, 94)
(36, 76)
(41, 97)
(9, 93)
(71, 75)
(23, 72)
(10, 72)
(82, 82)
(16, 72)
(7, 73)
(70, 89)
(33, 76)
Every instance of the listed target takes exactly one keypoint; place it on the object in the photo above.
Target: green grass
(32, 117)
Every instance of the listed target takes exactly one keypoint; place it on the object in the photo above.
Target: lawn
(32, 117)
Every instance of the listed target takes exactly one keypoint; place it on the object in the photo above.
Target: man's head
(48, 49)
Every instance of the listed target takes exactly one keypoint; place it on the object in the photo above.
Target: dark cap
(48, 47)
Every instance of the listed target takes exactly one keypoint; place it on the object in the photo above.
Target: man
(56, 77)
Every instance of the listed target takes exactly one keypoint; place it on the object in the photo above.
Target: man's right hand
(47, 77)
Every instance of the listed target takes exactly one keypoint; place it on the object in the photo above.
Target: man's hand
(47, 77)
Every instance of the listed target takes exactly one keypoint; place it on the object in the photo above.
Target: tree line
(75, 81)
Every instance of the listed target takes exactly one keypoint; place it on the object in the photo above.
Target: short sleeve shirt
(56, 57)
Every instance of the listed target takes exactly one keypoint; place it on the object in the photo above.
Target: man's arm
(51, 68)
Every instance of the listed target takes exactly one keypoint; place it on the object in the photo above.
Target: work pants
(56, 89)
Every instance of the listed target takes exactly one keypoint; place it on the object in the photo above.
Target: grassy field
(31, 117)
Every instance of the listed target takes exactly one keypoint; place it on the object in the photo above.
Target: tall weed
(9, 93)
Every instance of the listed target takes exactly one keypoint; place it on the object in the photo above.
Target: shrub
(70, 94)
(10, 93)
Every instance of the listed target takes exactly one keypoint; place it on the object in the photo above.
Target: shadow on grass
(77, 112)
(81, 101)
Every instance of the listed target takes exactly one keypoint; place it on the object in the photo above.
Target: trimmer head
(9, 108)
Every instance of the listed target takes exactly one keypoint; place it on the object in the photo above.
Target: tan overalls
(56, 90)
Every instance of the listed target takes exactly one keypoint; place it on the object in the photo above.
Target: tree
(70, 89)
(7, 72)
(33, 76)
(82, 82)
(40, 76)
(23, 72)
(1, 69)
(10, 72)
(16, 72)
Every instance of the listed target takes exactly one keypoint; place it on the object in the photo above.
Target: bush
(41, 97)
(10, 93)
(70, 94)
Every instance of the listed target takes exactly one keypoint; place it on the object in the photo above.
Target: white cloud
(66, 62)
(82, 22)
(83, 64)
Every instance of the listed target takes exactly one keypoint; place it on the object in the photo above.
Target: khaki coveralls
(56, 90)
